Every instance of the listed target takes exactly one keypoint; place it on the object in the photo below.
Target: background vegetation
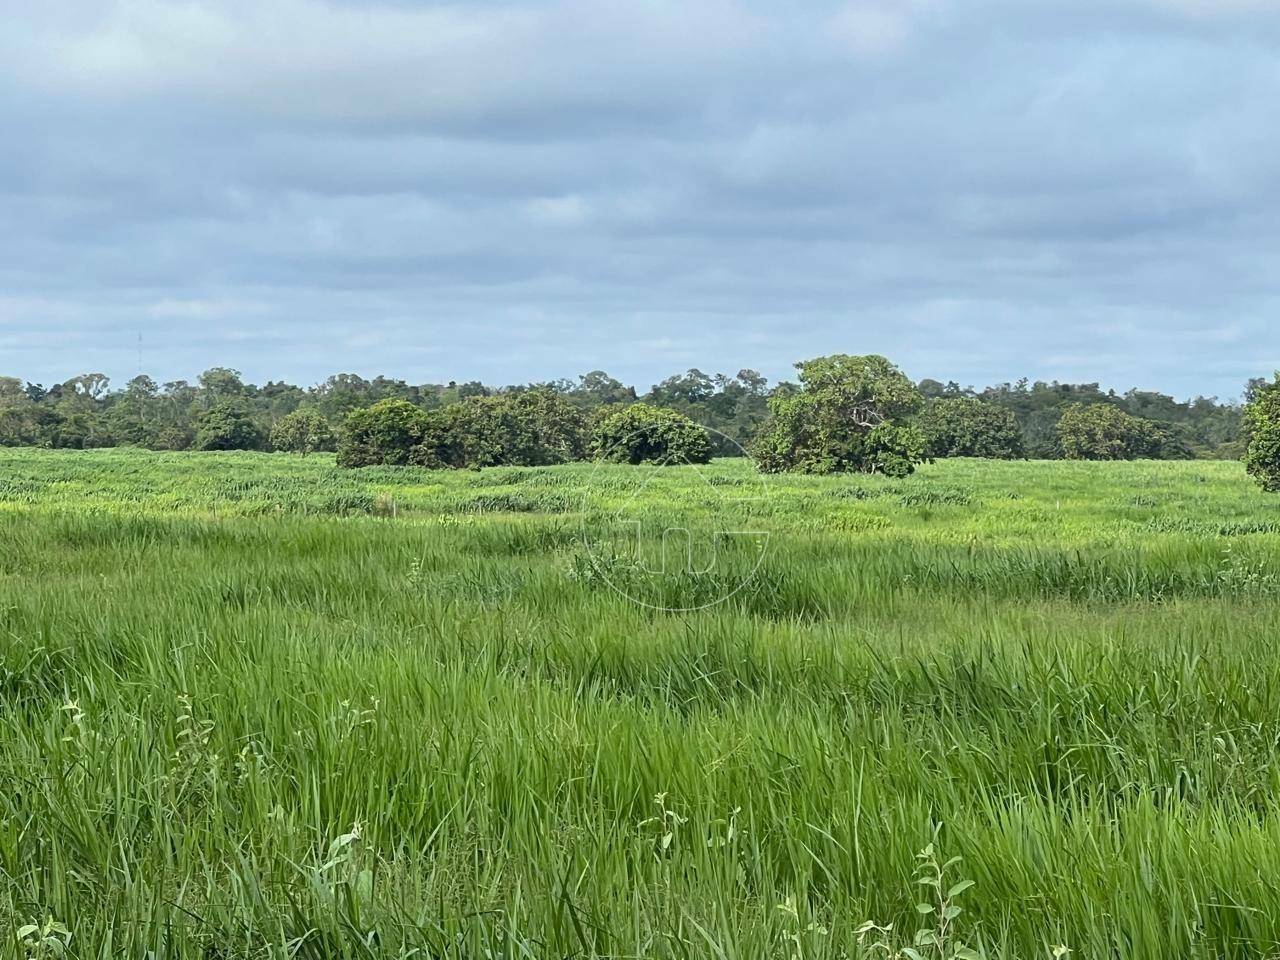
(220, 410)
(255, 705)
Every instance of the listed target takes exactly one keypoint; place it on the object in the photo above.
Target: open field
(256, 706)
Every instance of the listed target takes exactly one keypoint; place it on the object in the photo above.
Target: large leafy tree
(849, 414)
(1262, 428)
(640, 433)
(966, 427)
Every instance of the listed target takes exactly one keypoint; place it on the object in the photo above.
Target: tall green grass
(254, 706)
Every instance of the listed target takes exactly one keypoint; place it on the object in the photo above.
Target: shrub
(640, 433)
(384, 433)
(965, 427)
(531, 428)
(1262, 428)
(849, 414)
(303, 431)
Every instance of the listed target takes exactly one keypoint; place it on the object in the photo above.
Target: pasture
(255, 706)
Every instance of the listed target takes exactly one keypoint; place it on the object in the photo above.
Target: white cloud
(876, 27)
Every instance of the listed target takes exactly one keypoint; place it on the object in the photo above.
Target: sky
(978, 189)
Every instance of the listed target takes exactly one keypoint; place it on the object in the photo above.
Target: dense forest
(86, 412)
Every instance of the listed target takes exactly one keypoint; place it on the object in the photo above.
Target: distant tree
(849, 414)
(132, 417)
(1262, 431)
(228, 425)
(23, 421)
(304, 431)
(384, 433)
(691, 387)
(933, 389)
(640, 433)
(88, 386)
(597, 388)
(1101, 431)
(965, 427)
(221, 383)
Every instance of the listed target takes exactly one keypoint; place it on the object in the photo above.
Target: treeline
(221, 411)
(1202, 428)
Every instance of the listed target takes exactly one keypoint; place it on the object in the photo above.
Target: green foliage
(851, 414)
(84, 412)
(641, 433)
(1104, 432)
(303, 431)
(1203, 426)
(384, 433)
(967, 427)
(1262, 431)
(228, 425)
(532, 428)
(733, 407)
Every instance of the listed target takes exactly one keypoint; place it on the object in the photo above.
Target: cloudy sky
(979, 189)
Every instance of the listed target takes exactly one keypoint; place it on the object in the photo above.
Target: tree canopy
(849, 414)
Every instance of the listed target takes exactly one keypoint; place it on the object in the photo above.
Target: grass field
(252, 706)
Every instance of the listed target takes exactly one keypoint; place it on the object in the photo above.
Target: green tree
(221, 383)
(965, 427)
(597, 388)
(551, 427)
(849, 414)
(133, 415)
(1101, 431)
(534, 427)
(304, 431)
(384, 433)
(640, 433)
(1262, 430)
(228, 425)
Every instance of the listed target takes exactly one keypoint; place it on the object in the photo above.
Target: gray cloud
(979, 189)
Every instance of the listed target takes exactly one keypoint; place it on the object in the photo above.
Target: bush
(965, 427)
(640, 433)
(228, 425)
(384, 433)
(1262, 429)
(530, 429)
(1101, 431)
(849, 414)
(303, 431)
